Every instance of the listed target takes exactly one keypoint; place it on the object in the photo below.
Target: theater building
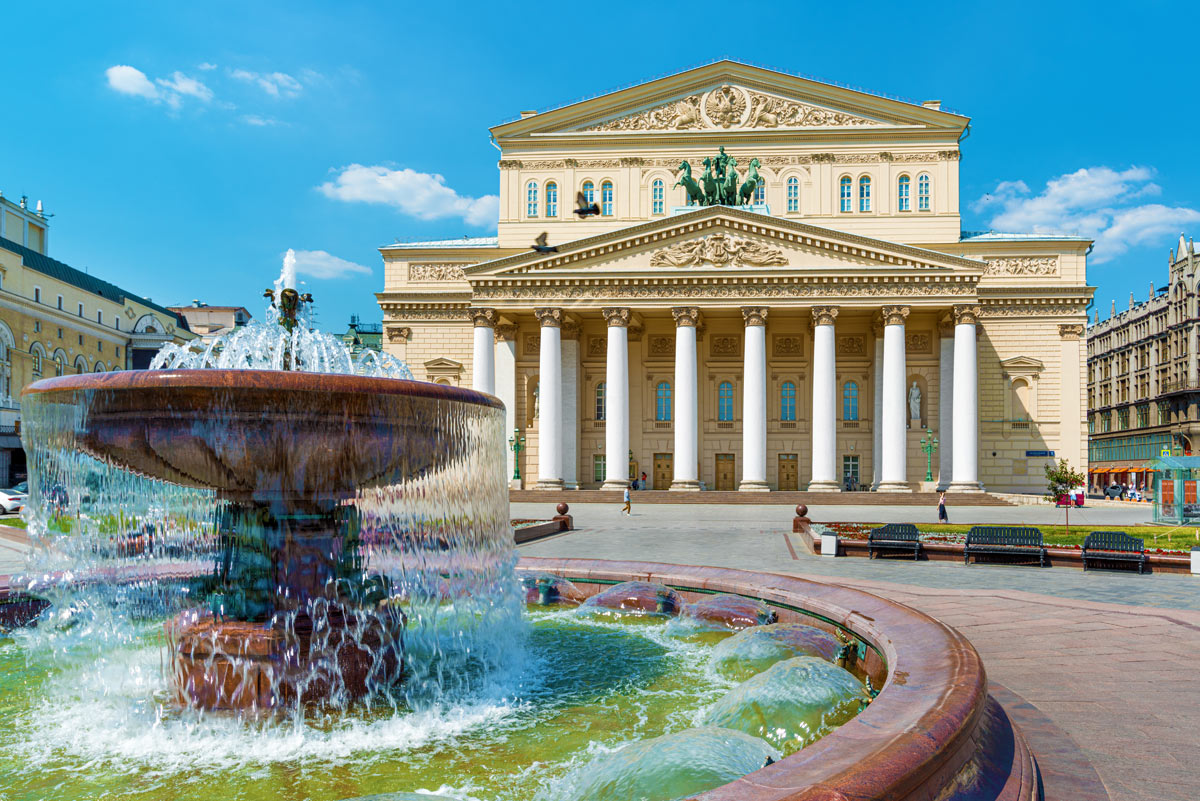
(811, 333)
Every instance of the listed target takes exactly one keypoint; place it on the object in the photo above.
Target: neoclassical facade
(818, 334)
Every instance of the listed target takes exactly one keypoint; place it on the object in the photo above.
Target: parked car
(12, 500)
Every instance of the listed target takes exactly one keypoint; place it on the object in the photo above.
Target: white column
(616, 426)
(687, 439)
(570, 405)
(894, 477)
(877, 420)
(754, 401)
(824, 405)
(945, 432)
(506, 385)
(966, 401)
(1072, 436)
(550, 454)
(483, 354)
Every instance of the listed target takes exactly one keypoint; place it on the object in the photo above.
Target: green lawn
(15, 522)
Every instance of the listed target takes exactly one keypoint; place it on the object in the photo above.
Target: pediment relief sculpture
(1022, 265)
(719, 250)
(729, 106)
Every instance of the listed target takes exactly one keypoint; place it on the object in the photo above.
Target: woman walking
(942, 516)
(627, 509)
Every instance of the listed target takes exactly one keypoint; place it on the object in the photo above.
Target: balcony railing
(1182, 385)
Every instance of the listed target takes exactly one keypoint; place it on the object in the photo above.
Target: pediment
(721, 240)
(443, 364)
(729, 96)
(1022, 365)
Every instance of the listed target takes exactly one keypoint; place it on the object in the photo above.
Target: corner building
(805, 339)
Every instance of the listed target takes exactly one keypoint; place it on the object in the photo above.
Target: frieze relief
(728, 107)
(732, 290)
(1031, 310)
(774, 162)
(725, 345)
(531, 345)
(429, 314)
(719, 250)
(597, 347)
(918, 342)
(851, 346)
(1022, 265)
(662, 346)
(788, 345)
(436, 272)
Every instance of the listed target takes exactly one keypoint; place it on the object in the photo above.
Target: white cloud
(259, 122)
(1097, 202)
(206, 66)
(183, 85)
(276, 84)
(417, 194)
(132, 81)
(320, 264)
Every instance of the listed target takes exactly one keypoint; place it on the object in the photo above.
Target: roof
(61, 271)
(1001, 236)
(464, 242)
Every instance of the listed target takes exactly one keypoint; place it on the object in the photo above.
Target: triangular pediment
(442, 363)
(1022, 364)
(721, 240)
(729, 96)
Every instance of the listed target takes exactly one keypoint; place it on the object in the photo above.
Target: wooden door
(725, 466)
(789, 472)
(664, 471)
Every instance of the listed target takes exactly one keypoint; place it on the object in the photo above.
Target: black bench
(1004, 541)
(1115, 546)
(895, 536)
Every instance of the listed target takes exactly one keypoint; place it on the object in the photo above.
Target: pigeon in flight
(585, 209)
(540, 245)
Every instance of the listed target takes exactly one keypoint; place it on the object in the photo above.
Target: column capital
(824, 315)
(483, 318)
(549, 317)
(967, 314)
(399, 333)
(946, 325)
(686, 316)
(506, 332)
(894, 315)
(754, 315)
(877, 325)
(1071, 331)
(571, 330)
(616, 316)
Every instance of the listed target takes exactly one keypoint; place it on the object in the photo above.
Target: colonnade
(958, 413)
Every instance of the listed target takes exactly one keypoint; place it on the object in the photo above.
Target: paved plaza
(1107, 657)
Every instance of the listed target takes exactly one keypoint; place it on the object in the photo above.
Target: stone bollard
(801, 519)
(564, 520)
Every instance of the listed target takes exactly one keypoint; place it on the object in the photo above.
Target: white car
(12, 501)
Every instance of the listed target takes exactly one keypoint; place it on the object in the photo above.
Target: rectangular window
(100, 347)
(850, 472)
(60, 333)
(599, 471)
(81, 339)
(37, 294)
(60, 301)
(787, 402)
(80, 309)
(99, 316)
(37, 326)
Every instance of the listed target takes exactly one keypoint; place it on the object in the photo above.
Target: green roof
(88, 283)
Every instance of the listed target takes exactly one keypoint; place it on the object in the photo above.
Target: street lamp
(929, 444)
(516, 444)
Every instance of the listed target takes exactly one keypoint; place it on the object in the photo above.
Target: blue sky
(185, 146)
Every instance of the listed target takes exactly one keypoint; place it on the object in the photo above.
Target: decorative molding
(754, 315)
(397, 312)
(918, 342)
(570, 330)
(616, 316)
(686, 315)
(658, 291)
(419, 271)
(1071, 331)
(549, 317)
(894, 315)
(852, 345)
(531, 345)
(399, 333)
(946, 326)
(483, 318)
(719, 249)
(661, 346)
(596, 347)
(966, 315)
(1032, 310)
(824, 315)
(1022, 265)
(506, 332)
(725, 345)
(788, 345)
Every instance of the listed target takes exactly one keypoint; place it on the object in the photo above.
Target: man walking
(942, 516)
(627, 508)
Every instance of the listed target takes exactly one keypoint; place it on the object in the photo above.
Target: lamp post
(929, 444)
(516, 444)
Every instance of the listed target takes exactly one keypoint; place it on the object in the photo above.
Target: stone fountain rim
(251, 380)
(913, 738)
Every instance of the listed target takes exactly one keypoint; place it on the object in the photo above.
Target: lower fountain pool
(83, 716)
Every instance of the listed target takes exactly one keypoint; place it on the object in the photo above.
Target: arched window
(589, 192)
(725, 401)
(902, 199)
(60, 362)
(606, 198)
(662, 402)
(923, 187)
(551, 199)
(760, 191)
(850, 401)
(793, 194)
(531, 199)
(656, 196)
(600, 405)
(99, 367)
(38, 355)
(844, 191)
(864, 193)
(81, 365)
(787, 402)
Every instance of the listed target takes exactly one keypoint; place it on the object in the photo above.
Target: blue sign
(1036, 454)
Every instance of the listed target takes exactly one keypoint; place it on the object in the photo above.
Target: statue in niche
(914, 403)
(537, 399)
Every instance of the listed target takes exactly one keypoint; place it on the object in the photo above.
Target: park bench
(894, 536)
(1004, 541)
(1115, 546)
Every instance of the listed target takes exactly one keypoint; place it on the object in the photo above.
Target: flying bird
(585, 209)
(540, 245)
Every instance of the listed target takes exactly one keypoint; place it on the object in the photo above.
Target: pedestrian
(643, 484)
(942, 516)
(627, 508)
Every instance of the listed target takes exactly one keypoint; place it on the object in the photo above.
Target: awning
(1098, 470)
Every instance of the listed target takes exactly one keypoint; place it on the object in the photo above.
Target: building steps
(810, 499)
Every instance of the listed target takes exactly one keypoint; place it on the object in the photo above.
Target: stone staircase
(810, 499)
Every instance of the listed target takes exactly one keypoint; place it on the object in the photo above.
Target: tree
(1060, 480)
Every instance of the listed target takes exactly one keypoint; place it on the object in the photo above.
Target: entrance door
(789, 472)
(664, 471)
(725, 472)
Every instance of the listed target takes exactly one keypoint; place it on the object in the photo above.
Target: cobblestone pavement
(1108, 657)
